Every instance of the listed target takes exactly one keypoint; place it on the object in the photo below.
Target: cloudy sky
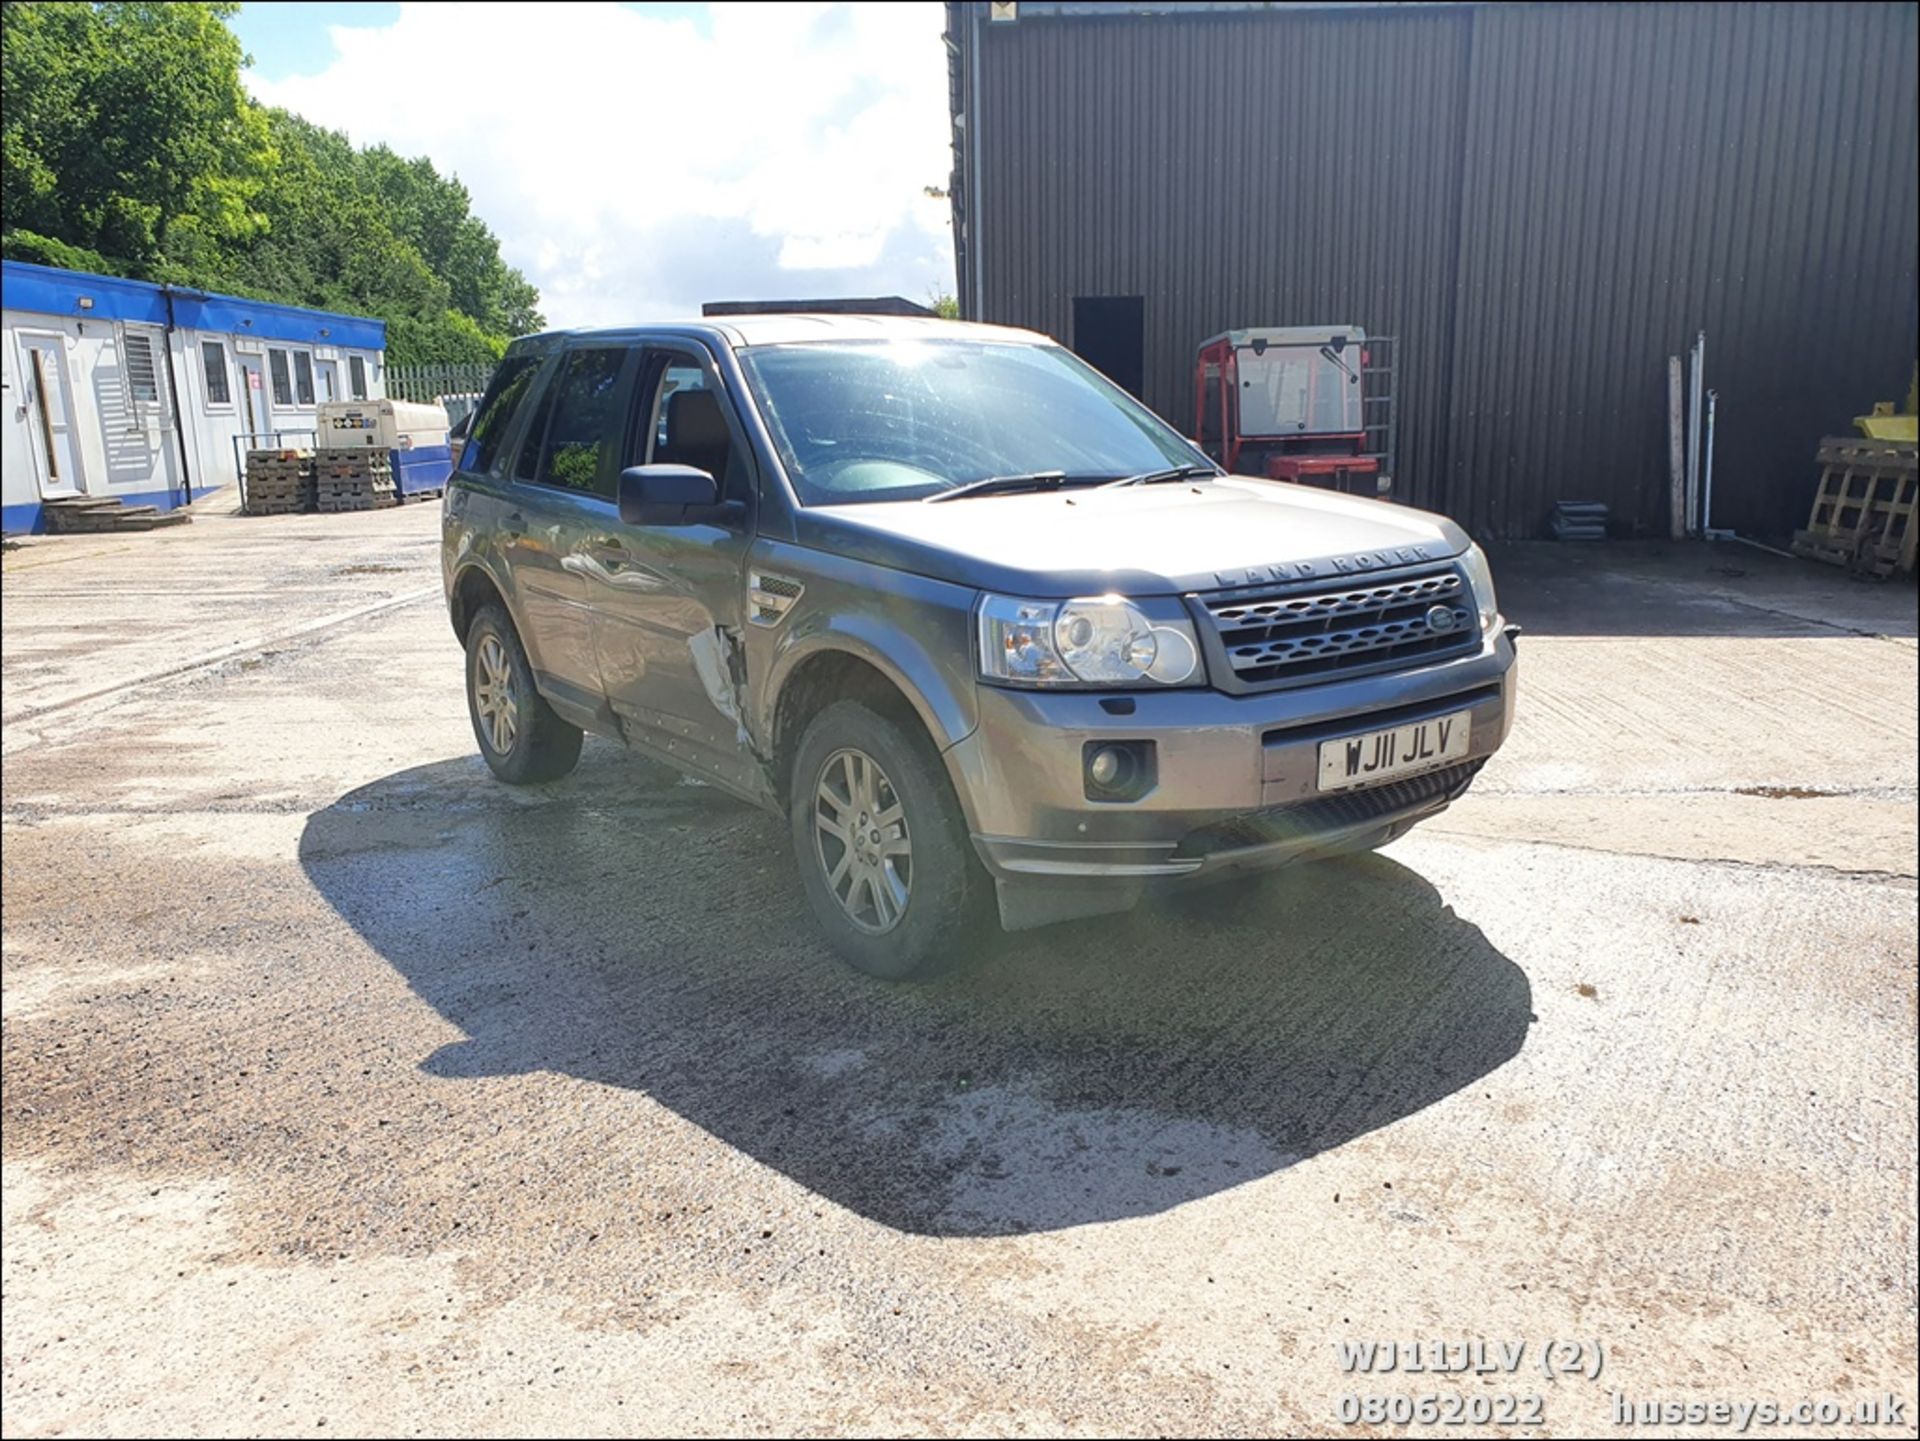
(636, 160)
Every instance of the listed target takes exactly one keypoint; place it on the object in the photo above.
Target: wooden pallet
(279, 482)
(345, 501)
(353, 462)
(1863, 514)
(355, 497)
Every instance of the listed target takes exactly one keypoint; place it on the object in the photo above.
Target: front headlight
(1480, 578)
(1093, 640)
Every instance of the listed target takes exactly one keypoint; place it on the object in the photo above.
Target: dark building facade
(1541, 202)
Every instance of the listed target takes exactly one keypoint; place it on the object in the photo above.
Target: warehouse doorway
(1110, 334)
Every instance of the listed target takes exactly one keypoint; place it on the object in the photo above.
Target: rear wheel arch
(472, 589)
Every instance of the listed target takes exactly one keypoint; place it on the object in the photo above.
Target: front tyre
(520, 736)
(883, 853)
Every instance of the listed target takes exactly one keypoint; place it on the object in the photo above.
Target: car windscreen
(901, 420)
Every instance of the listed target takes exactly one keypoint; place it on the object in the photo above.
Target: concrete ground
(348, 1091)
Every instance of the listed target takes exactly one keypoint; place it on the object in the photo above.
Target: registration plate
(1363, 760)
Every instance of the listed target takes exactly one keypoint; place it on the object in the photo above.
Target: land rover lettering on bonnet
(978, 625)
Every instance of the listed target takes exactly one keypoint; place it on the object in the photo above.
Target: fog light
(1118, 770)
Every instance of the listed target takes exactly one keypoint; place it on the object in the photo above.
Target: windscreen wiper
(1154, 477)
(1005, 484)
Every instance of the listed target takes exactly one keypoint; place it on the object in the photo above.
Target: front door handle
(605, 548)
(514, 523)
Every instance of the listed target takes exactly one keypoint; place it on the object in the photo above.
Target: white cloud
(634, 167)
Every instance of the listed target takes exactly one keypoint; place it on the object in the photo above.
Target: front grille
(1332, 813)
(1285, 635)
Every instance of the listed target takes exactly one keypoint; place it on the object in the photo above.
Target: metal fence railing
(426, 383)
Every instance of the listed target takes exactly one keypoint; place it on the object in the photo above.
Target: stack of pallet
(354, 480)
(279, 482)
(1579, 520)
(1863, 513)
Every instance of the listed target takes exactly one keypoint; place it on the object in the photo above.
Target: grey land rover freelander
(974, 620)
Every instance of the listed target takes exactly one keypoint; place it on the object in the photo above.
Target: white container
(380, 425)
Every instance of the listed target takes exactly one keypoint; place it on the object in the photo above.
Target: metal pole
(1769, 549)
(1676, 451)
(974, 234)
(1695, 396)
(179, 415)
(1706, 515)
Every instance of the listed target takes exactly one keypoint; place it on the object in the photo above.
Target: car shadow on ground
(648, 934)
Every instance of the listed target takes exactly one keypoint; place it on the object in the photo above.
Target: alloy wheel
(861, 839)
(494, 697)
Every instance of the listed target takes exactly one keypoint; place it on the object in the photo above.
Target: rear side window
(588, 408)
(494, 419)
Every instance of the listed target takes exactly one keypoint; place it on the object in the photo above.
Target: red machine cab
(1310, 403)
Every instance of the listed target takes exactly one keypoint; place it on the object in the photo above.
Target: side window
(143, 376)
(585, 412)
(357, 377)
(679, 378)
(526, 465)
(282, 386)
(213, 355)
(303, 375)
(493, 423)
(687, 424)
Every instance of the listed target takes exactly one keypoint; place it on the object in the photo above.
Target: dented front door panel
(668, 604)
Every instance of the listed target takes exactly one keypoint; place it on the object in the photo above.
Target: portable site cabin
(123, 390)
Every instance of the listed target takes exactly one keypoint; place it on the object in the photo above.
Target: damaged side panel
(715, 746)
(722, 671)
(672, 669)
(720, 661)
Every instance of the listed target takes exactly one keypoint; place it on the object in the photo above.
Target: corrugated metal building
(1543, 202)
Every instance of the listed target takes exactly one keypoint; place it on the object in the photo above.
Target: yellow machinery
(1886, 423)
(1864, 511)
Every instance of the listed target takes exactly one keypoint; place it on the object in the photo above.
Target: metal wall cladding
(1543, 202)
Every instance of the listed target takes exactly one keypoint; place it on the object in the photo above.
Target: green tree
(127, 130)
(131, 147)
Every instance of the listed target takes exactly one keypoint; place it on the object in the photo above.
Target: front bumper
(1229, 768)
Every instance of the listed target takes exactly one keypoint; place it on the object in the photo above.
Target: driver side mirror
(673, 495)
